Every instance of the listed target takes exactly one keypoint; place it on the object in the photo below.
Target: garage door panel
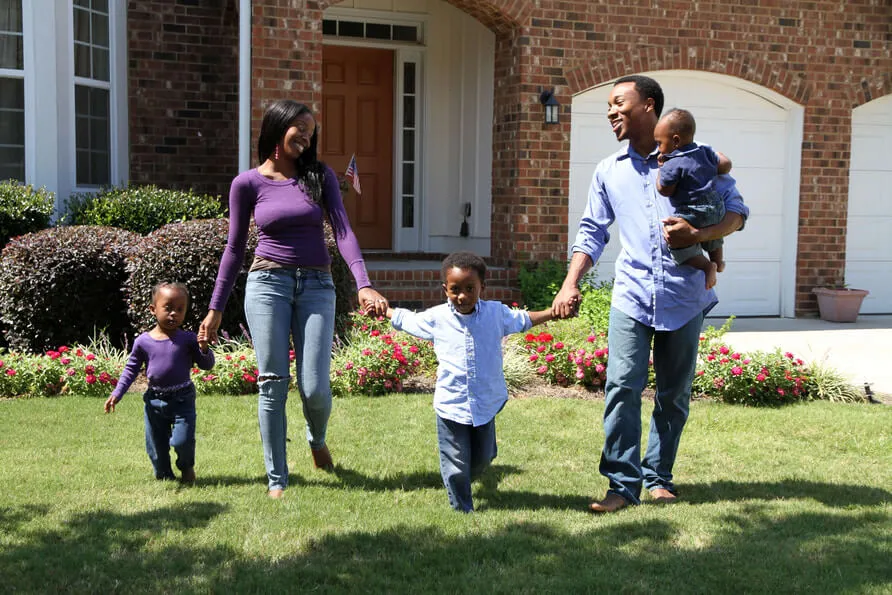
(870, 194)
(760, 240)
(744, 142)
(762, 189)
(748, 289)
(875, 277)
(869, 231)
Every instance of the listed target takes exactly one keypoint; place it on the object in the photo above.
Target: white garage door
(761, 133)
(869, 234)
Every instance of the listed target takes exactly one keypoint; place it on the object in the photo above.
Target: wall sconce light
(552, 107)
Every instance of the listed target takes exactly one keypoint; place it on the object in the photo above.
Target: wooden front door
(357, 118)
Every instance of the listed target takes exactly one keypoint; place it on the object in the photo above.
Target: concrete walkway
(860, 350)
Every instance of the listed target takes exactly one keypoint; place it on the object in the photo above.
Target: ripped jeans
(281, 304)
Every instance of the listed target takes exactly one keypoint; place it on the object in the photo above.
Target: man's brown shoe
(611, 503)
(663, 496)
(322, 458)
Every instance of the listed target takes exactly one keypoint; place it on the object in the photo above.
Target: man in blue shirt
(654, 298)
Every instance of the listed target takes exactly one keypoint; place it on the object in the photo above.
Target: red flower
(737, 370)
(90, 379)
(530, 337)
(10, 372)
(89, 369)
(545, 337)
(249, 378)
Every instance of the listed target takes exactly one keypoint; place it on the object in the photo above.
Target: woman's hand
(208, 328)
(372, 303)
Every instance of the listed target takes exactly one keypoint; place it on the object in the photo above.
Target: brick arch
(500, 16)
(868, 89)
(612, 66)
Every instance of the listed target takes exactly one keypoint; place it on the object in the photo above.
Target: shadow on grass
(229, 480)
(826, 493)
(753, 549)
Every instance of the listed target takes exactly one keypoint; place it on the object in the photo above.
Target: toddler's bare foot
(720, 266)
(188, 475)
(276, 494)
(711, 276)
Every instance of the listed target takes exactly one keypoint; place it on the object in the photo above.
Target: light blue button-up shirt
(470, 382)
(649, 286)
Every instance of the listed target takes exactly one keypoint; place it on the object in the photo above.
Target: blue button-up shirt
(648, 286)
(470, 382)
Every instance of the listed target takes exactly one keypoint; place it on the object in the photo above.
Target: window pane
(408, 211)
(82, 132)
(403, 33)
(408, 145)
(100, 5)
(83, 167)
(99, 134)
(99, 168)
(11, 54)
(408, 178)
(12, 163)
(12, 94)
(84, 3)
(409, 77)
(350, 29)
(92, 135)
(100, 64)
(100, 30)
(408, 112)
(81, 60)
(377, 31)
(329, 27)
(81, 25)
(98, 102)
(11, 15)
(12, 127)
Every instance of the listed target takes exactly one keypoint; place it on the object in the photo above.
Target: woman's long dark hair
(310, 171)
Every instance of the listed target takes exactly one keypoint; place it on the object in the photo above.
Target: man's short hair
(646, 88)
(464, 260)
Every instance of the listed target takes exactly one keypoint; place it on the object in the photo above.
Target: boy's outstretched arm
(541, 316)
(389, 313)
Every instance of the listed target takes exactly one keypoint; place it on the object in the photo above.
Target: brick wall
(183, 91)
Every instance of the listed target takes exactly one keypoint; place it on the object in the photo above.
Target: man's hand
(679, 233)
(566, 302)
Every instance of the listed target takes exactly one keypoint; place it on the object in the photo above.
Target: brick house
(440, 102)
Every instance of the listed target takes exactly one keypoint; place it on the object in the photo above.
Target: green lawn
(797, 499)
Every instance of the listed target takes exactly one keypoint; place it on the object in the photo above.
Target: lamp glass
(551, 113)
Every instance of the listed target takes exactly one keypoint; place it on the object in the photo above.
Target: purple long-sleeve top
(168, 361)
(289, 228)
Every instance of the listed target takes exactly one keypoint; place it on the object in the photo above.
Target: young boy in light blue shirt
(467, 334)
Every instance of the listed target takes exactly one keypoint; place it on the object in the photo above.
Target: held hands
(110, 405)
(372, 303)
(207, 331)
(566, 302)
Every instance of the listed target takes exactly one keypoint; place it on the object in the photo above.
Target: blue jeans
(282, 305)
(465, 452)
(170, 421)
(675, 361)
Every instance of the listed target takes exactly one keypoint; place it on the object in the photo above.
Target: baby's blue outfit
(692, 169)
(470, 388)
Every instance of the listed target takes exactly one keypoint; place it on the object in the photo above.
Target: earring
(276, 156)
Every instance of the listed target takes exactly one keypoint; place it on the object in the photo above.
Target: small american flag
(353, 174)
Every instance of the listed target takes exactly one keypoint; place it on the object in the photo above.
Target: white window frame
(13, 73)
(117, 101)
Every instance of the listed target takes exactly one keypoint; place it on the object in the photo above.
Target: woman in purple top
(290, 295)
(168, 353)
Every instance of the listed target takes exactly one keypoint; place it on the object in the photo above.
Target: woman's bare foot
(711, 275)
(276, 494)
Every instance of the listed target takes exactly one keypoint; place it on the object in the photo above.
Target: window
(12, 92)
(366, 29)
(92, 92)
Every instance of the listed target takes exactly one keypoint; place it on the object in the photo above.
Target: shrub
(75, 370)
(141, 209)
(234, 373)
(374, 359)
(595, 305)
(827, 384)
(23, 209)
(59, 285)
(187, 252)
(540, 281)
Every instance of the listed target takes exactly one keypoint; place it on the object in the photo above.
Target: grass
(797, 499)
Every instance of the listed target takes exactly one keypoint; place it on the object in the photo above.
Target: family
(670, 199)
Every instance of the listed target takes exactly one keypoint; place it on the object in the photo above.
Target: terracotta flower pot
(839, 305)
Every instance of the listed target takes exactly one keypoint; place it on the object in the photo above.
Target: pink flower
(348, 366)
(760, 377)
(590, 338)
(549, 358)
(413, 349)
(388, 384)
(513, 304)
(375, 333)
(10, 372)
(534, 357)
(599, 368)
(735, 355)
(227, 357)
(65, 361)
(724, 350)
(747, 360)
(63, 349)
(90, 379)
(700, 372)
(70, 371)
(53, 354)
(718, 382)
(89, 369)
(1, 363)
(90, 357)
(541, 369)
(710, 358)
(248, 378)
(241, 358)
(559, 345)
(737, 370)
(788, 355)
(209, 377)
(541, 348)
(781, 392)
(79, 352)
(367, 351)
(580, 374)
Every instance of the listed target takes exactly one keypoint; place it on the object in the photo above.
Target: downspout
(244, 85)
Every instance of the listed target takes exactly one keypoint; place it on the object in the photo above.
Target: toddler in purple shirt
(168, 353)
